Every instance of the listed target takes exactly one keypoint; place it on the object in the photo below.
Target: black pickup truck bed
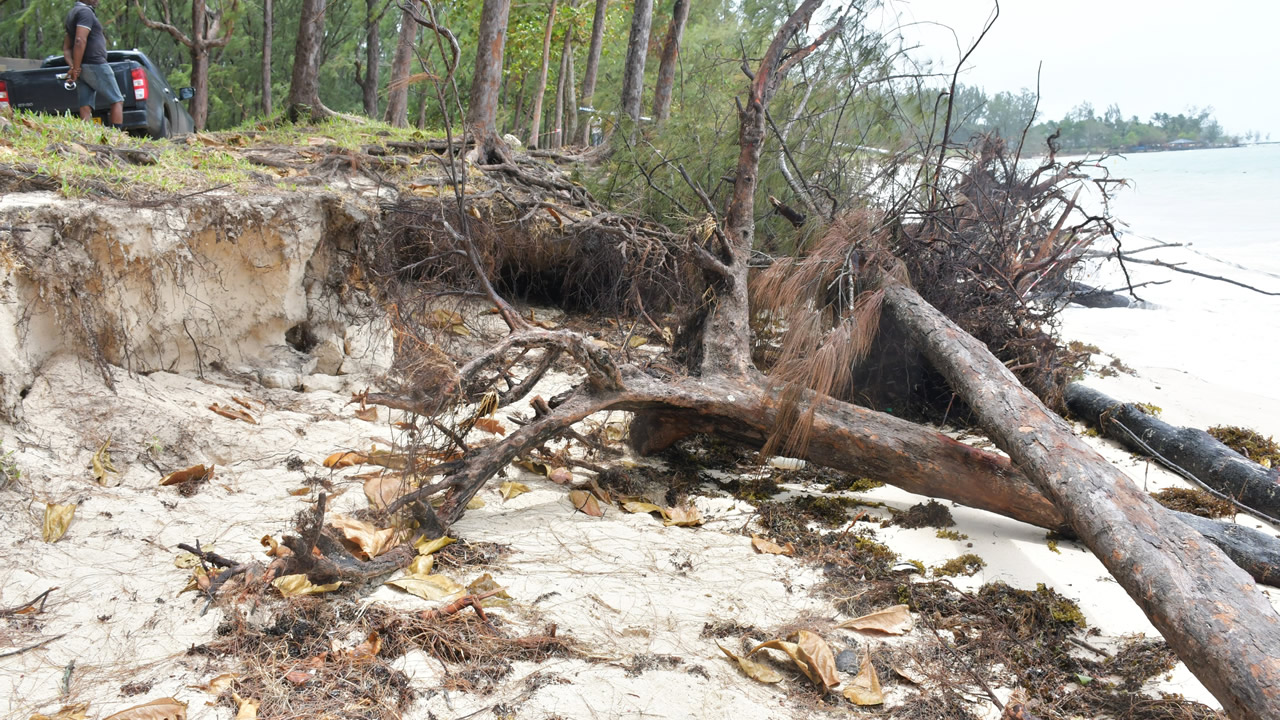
(151, 107)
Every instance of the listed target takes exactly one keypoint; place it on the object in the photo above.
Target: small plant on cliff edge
(9, 472)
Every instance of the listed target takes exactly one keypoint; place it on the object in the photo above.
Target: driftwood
(1192, 453)
(1209, 611)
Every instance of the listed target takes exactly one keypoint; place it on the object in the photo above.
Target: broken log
(1192, 453)
(1208, 610)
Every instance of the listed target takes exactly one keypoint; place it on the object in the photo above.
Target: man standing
(85, 48)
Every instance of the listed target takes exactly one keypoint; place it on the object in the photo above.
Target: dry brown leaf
(368, 414)
(815, 653)
(274, 549)
(57, 518)
(791, 649)
(372, 540)
(910, 674)
(490, 425)
(894, 620)
(683, 516)
(754, 670)
(369, 648)
(382, 490)
(195, 472)
(585, 502)
(299, 677)
(636, 506)
(79, 711)
(426, 547)
(300, 491)
(560, 476)
(770, 547)
(160, 709)
(421, 566)
(295, 585)
(864, 689)
(484, 584)
(233, 413)
(246, 708)
(344, 459)
(511, 489)
(217, 684)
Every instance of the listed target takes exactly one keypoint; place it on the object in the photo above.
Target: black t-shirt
(95, 47)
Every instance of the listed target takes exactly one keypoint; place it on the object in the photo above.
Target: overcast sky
(1145, 56)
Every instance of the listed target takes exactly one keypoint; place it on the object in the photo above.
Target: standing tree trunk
(633, 69)
(513, 120)
(22, 32)
(304, 86)
(369, 79)
(535, 126)
(204, 38)
(267, 37)
(570, 101)
(482, 105)
(593, 66)
(670, 57)
(398, 87)
(562, 91)
(1208, 610)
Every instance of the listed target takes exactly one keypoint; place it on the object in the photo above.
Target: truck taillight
(139, 83)
(4, 93)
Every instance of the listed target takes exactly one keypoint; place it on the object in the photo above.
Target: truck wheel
(164, 127)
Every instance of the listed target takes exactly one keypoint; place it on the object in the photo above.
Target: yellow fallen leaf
(57, 518)
(186, 560)
(246, 708)
(160, 709)
(769, 547)
(895, 620)
(426, 547)
(421, 566)
(636, 341)
(511, 489)
(791, 649)
(585, 502)
(295, 585)
(814, 651)
(684, 516)
(536, 468)
(372, 540)
(101, 463)
(431, 587)
(636, 506)
(274, 549)
(195, 472)
(754, 670)
(300, 491)
(864, 689)
(475, 503)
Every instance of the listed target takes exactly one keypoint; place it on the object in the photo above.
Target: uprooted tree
(987, 241)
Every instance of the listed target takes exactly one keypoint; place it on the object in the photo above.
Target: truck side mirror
(186, 93)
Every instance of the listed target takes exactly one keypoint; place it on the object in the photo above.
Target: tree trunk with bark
(670, 58)
(1209, 611)
(482, 105)
(1190, 452)
(593, 66)
(633, 68)
(369, 78)
(539, 90)
(398, 87)
(304, 85)
(204, 39)
(267, 36)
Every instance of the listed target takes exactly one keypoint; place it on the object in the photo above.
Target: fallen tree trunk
(1190, 452)
(1210, 612)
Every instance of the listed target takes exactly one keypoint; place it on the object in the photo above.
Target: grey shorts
(98, 78)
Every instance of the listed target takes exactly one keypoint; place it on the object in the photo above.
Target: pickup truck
(151, 107)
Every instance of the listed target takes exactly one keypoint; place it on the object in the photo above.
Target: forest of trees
(372, 58)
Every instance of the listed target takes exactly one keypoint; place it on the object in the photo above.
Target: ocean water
(1217, 343)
